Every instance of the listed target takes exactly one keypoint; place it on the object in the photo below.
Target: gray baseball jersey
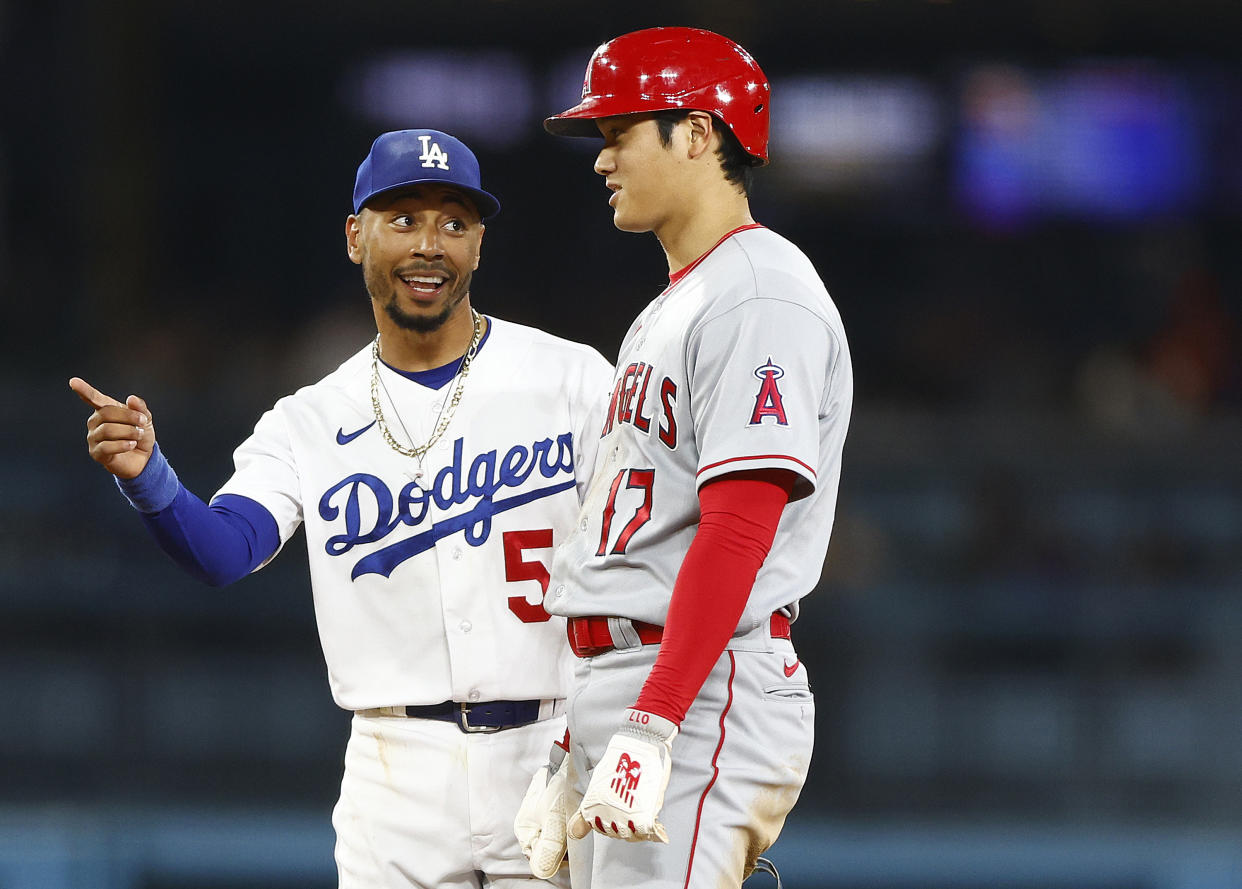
(741, 363)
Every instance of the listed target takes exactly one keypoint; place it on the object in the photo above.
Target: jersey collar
(439, 377)
(681, 273)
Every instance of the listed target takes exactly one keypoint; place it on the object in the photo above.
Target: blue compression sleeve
(154, 488)
(217, 544)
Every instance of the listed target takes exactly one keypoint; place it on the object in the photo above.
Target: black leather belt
(485, 716)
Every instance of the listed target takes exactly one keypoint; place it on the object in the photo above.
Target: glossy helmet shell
(657, 69)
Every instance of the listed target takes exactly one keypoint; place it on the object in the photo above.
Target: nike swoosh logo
(343, 439)
(790, 669)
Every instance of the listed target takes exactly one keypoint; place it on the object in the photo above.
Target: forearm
(217, 544)
(739, 516)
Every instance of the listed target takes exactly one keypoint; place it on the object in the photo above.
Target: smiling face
(418, 248)
(646, 176)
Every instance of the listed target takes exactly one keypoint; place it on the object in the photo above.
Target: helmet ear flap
(658, 69)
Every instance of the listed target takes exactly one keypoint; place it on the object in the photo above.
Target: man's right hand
(119, 437)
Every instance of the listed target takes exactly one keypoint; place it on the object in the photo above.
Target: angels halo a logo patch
(768, 403)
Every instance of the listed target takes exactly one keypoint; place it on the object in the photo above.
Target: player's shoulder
(758, 263)
(510, 336)
(766, 253)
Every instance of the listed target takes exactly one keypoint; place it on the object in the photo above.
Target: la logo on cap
(433, 155)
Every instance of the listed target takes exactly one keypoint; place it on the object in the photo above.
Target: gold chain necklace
(443, 418)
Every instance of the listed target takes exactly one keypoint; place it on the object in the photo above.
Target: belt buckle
(463, 722)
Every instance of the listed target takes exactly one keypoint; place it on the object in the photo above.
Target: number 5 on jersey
(518, 568)
(636, 479)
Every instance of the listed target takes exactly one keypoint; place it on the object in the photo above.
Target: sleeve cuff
(153, 489)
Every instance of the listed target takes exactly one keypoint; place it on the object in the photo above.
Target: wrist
(153, 489)
(653, 700)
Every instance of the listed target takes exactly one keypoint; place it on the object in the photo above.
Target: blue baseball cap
(411, 157)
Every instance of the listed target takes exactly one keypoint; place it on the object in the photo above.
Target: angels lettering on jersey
(631, 404)
(369, 511)
(650, 408)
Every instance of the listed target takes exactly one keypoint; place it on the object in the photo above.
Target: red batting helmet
(661, 68)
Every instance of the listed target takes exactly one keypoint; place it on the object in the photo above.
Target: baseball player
(713, 493)
(433, 472)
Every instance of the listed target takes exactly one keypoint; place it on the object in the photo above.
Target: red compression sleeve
(738, 518)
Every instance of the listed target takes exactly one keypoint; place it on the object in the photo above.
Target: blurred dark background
(1025, 644)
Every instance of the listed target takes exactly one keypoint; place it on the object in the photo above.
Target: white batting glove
(540, 821)
(627, 788)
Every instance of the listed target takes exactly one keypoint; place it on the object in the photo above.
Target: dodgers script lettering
(454, 485)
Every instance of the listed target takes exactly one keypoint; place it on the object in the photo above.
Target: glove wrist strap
(648, 726)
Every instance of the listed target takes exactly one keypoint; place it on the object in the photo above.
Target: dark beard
(425, 323)
(422, 323)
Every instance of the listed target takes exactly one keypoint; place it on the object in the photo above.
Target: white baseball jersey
(423, 596)
(741, 363)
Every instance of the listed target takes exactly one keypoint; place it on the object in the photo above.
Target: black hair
(738, 166)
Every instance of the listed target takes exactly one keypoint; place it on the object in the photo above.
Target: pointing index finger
(91, 395)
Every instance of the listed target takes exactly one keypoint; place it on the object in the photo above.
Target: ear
(353, 228)
(479, 247)
(701, 127)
